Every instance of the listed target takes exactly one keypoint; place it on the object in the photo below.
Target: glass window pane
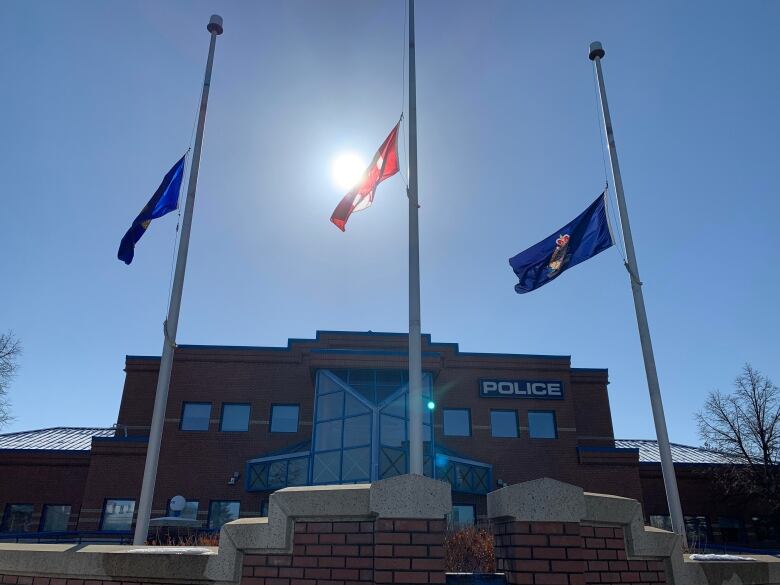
(392, 431)
(457, 422)
(356, 465)
(328, 435)
(391, 462)
(327, 467)
(55, 518)
(353, 406)
(326, 385)
(264, 509)
(18, 518)
(258, 476)
(462, 514)
(235, 417)
(541, 425)
(297, 470)
(277, 473)
(284, 418)
(195, 416)
(397, 407)
(222, 512)
(357, 431)
(503, 423)
(117, 515)
(361, 377)
(330, 406)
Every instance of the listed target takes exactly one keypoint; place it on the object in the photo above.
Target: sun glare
(347, 169)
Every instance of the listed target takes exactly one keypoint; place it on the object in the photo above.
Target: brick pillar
(540, 552)
(546, 534)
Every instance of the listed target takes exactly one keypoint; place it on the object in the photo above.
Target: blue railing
(79, 537)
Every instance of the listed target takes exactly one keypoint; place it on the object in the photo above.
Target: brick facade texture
(567, 553)
(348, 553)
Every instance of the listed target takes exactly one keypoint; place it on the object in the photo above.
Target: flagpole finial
(596, 50)
(215, 24)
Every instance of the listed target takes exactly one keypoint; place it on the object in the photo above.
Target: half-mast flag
(164, 200)
(384, 165)
(582, 238)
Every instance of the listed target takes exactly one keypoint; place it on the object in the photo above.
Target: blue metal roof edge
(84, 452)
(595, 449)
(131, 439)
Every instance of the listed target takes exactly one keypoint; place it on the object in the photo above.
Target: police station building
(242, 422)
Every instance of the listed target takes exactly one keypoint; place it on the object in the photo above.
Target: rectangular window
(284, 418)
(190, 511)
(503, 423)
(117, 515)
(55, 518)
(662, 521)
(462, 515)
(18, 518)
(195, 416)
(457, 422)
(235, 418)
(541, 424)
(221, 512)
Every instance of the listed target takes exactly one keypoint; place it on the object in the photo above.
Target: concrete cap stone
(410, 496)
(540, 500)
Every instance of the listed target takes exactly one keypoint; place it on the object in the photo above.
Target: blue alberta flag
(584, 237)
(164, 200)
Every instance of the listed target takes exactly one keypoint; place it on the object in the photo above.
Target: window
(190, 511)
(284, 418)
(662, 521)
(221, 512)
(462, 515)
(541, 424)
(55, 518)
(235, 418)
(503, 423)
(17, 518)
(457, 422)
(264, 509)
(195, 416)
(117, 515)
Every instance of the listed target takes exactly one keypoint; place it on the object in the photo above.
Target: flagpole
(415, 340)
(667, 465)
(172, 322)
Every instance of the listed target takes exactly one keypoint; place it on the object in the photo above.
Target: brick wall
(347, 553)
(567, 553)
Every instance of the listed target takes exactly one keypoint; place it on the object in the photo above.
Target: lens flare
(347, 169)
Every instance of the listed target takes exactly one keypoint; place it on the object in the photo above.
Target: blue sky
(100, 99)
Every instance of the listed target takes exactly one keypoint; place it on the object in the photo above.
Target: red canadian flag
(384, 165)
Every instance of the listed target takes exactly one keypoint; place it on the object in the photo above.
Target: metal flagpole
(415, 341)
(667, 466)
(172, 322)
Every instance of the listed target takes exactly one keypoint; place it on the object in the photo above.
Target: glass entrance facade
(360, 434)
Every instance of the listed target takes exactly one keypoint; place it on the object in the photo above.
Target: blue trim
(595, 370)
(610, 449)
(129, 439)
(371, 352)
(155, 358)
(86, 452)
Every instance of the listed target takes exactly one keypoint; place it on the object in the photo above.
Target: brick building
(242, 422)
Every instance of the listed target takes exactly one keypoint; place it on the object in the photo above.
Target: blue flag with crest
(582, 238)
(164, 200)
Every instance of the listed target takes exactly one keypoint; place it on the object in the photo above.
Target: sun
(347, 169)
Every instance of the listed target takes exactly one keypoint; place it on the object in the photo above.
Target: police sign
(541, 389)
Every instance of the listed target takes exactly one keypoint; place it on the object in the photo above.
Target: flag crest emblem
(559, 256)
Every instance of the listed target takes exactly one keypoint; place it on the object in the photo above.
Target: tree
(744, 426)
(10, 350)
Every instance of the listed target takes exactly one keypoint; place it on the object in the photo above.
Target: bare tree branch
(745, 427)
(10, 351)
